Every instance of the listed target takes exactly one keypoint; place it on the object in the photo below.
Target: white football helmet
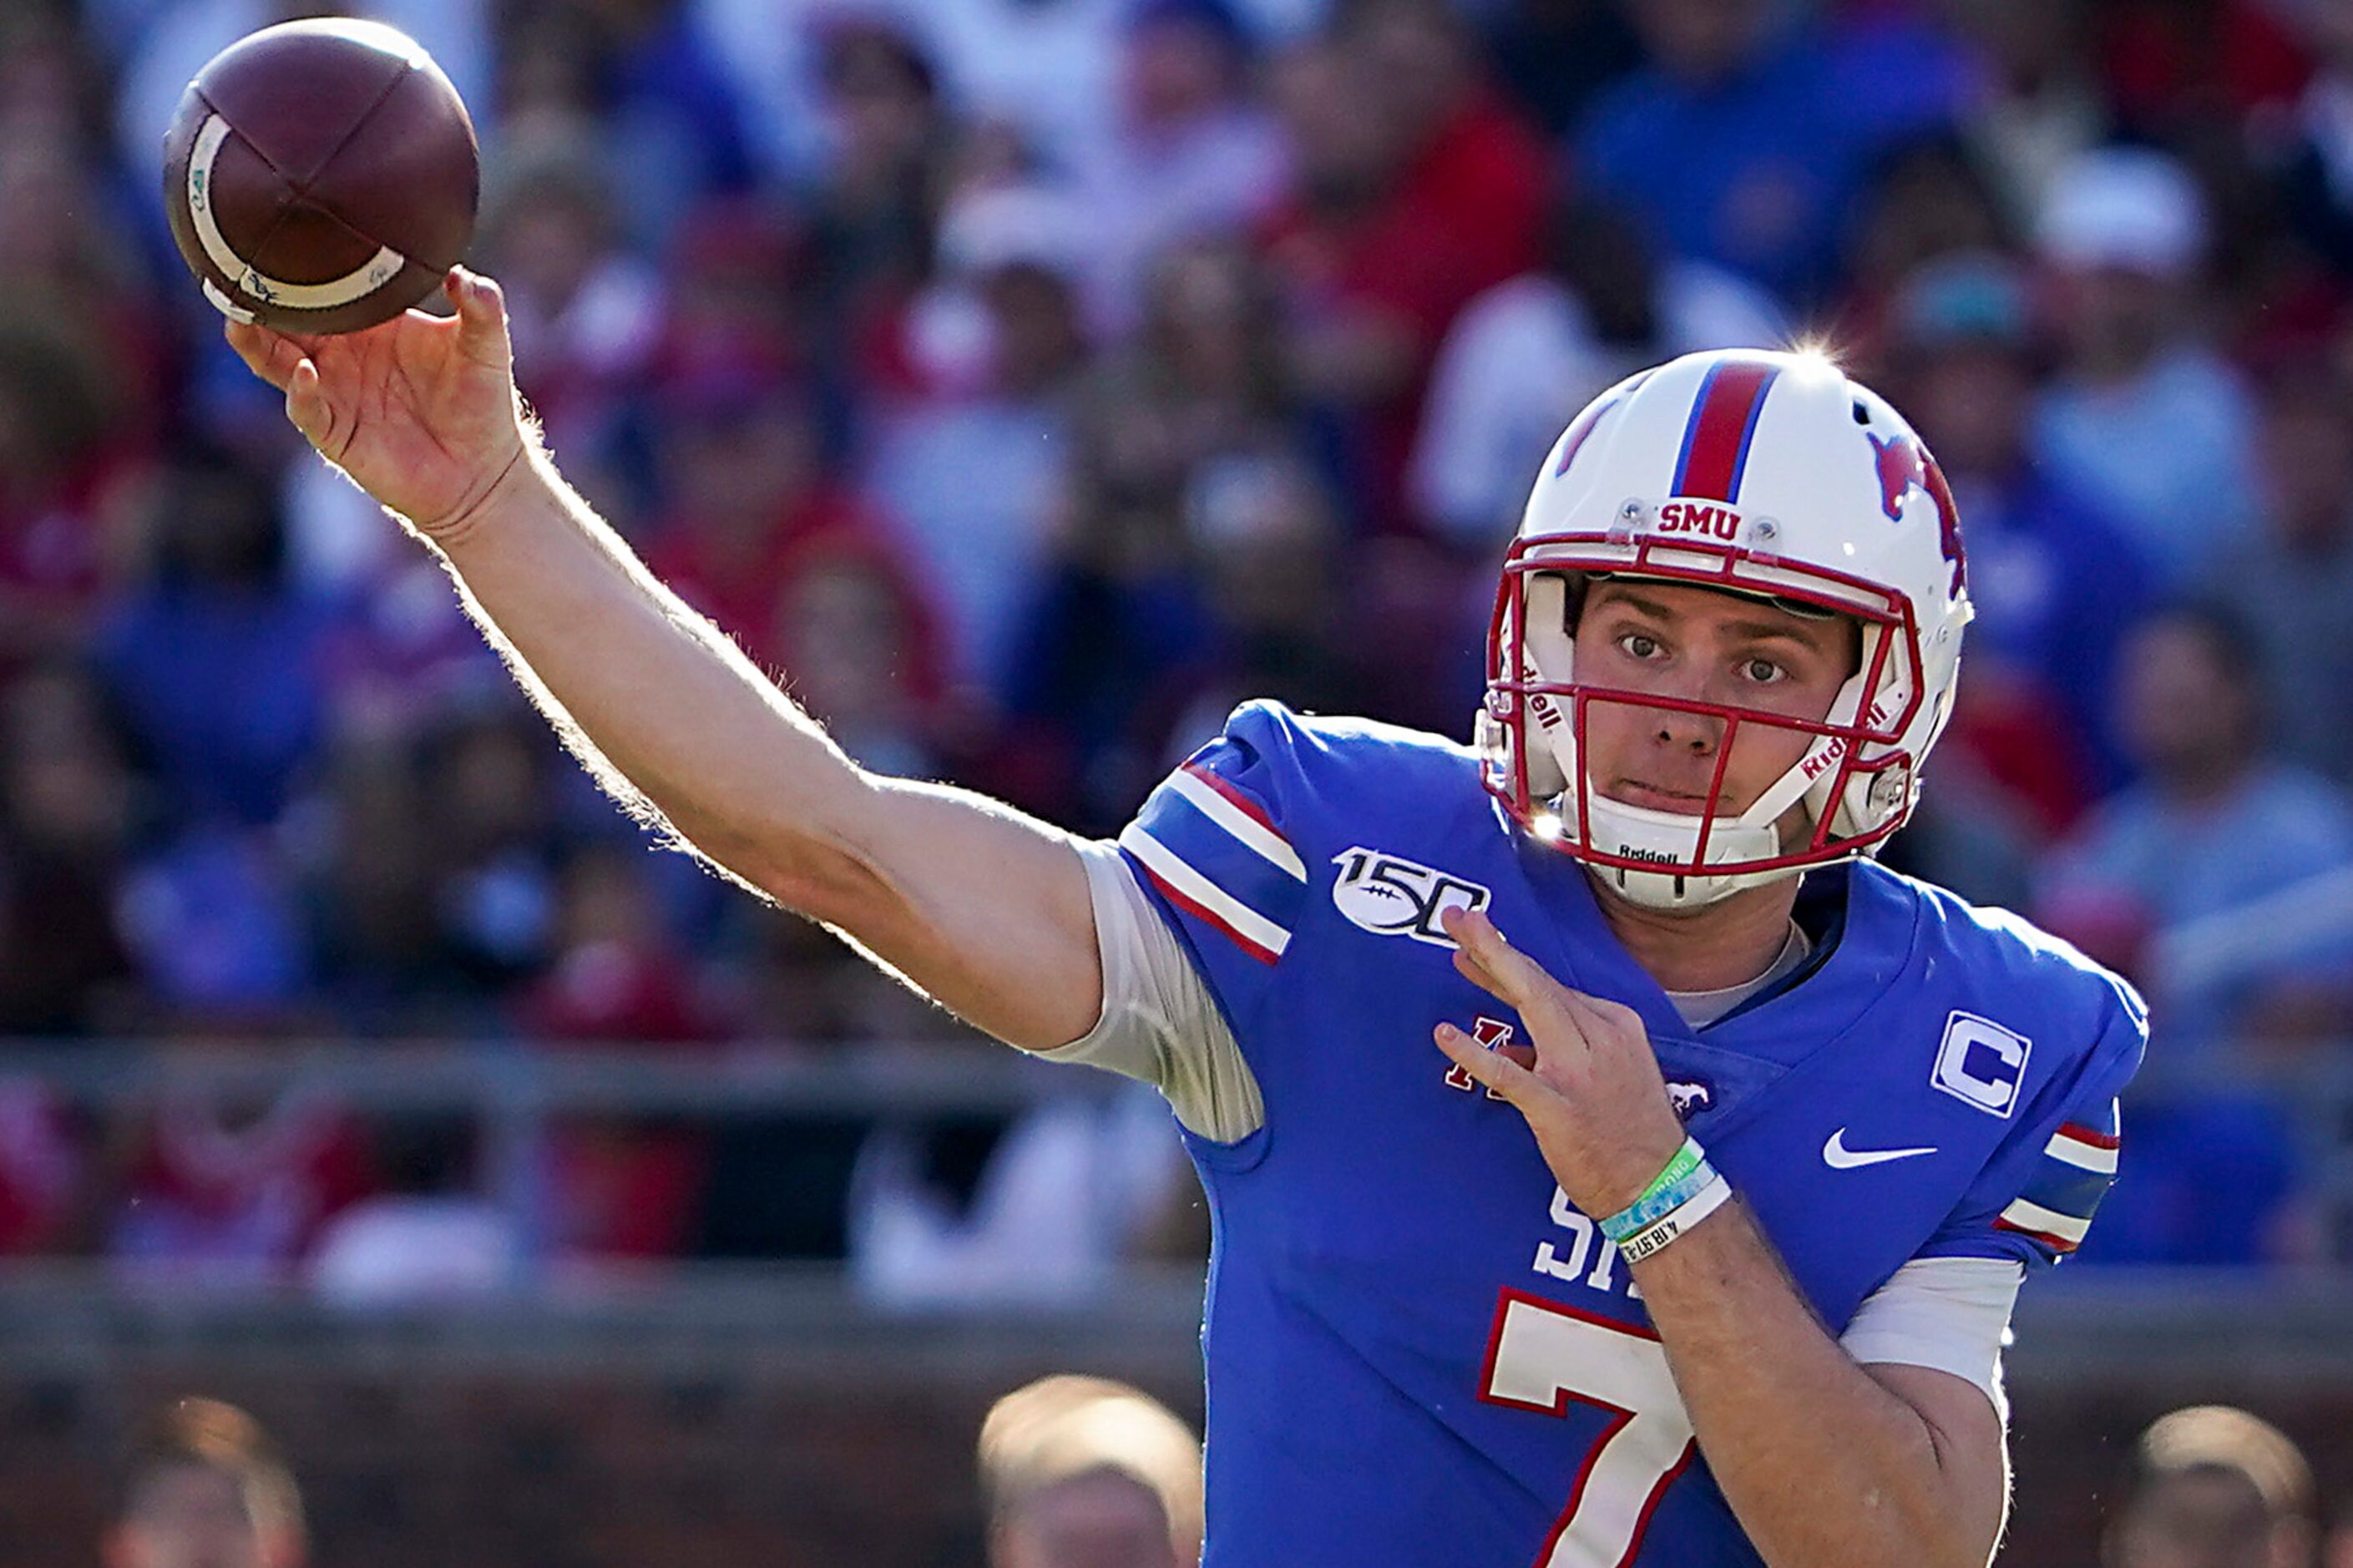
(1765, 474)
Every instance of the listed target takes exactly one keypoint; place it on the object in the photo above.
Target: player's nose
(1682, 729)
(1697, 733)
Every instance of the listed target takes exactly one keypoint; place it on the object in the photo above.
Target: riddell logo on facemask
(1696, 517)
(1656, 858)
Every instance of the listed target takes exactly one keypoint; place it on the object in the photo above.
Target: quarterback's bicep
(1949, 1314)
(1159, 1022)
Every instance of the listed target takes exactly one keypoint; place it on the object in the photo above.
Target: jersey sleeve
(1949, 1314)
(2033, 1203)
(1160, 1022)
(1210, 846)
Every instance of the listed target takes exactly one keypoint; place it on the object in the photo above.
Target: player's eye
(1638, 645)
(1763, 671)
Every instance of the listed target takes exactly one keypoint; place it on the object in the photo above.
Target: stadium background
(1031, 379)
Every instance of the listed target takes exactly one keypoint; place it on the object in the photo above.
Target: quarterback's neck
(1728, 942)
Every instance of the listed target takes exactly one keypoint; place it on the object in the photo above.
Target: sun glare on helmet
(1817, 354)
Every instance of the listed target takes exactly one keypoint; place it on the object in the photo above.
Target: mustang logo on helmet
(1900, 470)
(1904, 463)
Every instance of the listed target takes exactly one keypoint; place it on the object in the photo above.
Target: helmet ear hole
(1575, 587)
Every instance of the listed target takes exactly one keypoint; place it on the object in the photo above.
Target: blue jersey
(1417, 1350)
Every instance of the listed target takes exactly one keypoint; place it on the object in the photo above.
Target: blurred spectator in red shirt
(56, 472)
(44, 1170)
(742, 463)
(620, 1187)
(614, 975)
(1415, 188)
(859, 643)
(737, 272)
(2186, 65)
(234, 1185)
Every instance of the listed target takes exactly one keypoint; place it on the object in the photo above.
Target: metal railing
(513, 1093)
(513, 1098)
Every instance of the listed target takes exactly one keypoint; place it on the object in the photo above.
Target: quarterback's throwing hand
(420, 411)
(1591, 1087)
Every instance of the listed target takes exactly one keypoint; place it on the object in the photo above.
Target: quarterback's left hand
(1590, 1087)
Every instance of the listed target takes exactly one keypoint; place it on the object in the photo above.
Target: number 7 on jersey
(1541, 1355)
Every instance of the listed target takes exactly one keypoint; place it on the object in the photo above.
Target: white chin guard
(1640, 833)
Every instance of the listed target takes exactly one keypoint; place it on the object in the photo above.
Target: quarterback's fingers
(266, 353)
(481, 317)
(306, 405)
(1497, 1070)
(1588, 1009)
(1494, 963)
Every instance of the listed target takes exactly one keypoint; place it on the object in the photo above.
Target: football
(321, 176)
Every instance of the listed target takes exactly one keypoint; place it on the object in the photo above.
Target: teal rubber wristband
(1646, 1242)
(1646, 1210)
(1681, 1178)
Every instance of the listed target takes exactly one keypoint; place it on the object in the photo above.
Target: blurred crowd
(1085, 1472)
(1030, 380)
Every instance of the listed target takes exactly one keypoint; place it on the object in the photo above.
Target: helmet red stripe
(1723, 423)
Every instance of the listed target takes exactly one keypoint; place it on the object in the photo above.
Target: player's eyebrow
(1634, 601)
(1761, 631)
(1792, 630)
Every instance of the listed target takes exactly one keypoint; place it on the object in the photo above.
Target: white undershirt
(1160, 1023)
(1701, 1008)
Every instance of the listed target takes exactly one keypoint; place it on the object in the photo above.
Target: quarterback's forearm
(1824, 1466)
(656, 693)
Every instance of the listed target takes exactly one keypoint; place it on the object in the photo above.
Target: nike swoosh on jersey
(1839, 1157)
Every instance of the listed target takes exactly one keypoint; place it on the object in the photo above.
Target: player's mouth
(1655, 797)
